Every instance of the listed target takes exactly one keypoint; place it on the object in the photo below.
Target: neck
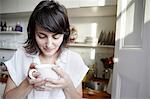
(49, 59)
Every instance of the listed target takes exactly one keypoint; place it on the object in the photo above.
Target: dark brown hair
(51, 16)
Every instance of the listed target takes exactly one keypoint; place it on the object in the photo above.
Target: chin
(49, 53)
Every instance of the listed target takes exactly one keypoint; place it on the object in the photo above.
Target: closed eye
(57, 36)
(41, 35)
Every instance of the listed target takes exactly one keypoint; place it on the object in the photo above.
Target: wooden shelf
(13, 49)
(102, 11)
(90, 45)
(10, 32)
(92, 94)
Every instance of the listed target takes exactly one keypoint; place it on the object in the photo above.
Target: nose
(49, 42)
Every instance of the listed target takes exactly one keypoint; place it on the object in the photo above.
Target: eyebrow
(41, 33)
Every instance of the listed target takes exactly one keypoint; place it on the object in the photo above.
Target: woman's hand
(37, 83)
(63, 82)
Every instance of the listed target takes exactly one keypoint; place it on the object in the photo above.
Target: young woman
(48, 32)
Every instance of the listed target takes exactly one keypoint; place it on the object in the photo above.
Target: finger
(36, 74)
(52, 86)
(39, 84)
(42, 83)
(33, 81)
(58, 70)
(39, 89)
(52, 81)
(32, 65)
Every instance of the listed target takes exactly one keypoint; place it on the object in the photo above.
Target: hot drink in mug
(45, 71)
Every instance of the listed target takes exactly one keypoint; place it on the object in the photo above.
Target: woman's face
(48, 42)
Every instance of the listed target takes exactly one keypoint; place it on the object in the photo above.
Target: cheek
(39, 42)
(60, 41)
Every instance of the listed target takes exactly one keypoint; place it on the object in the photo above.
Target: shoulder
(20, 50)
(72, 57)
(72, 54)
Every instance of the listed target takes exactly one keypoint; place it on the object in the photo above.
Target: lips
(48, 50)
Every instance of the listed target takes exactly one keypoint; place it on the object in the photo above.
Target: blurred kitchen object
(91, 40)
(18, 27)
(108, 66)
(3, 71)
(73, 34)
(106, 38)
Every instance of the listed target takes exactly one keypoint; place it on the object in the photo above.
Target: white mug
(45, 71)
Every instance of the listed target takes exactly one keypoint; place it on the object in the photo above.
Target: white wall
(85, 28)
(0, 6)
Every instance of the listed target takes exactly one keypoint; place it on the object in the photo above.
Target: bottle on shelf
(1, 24)
(18, 27)
(4, 26)
(3, 67)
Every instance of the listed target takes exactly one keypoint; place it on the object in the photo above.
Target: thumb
(32, 65)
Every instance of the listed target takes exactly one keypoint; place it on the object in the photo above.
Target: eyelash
(42, 37)
(55, 37)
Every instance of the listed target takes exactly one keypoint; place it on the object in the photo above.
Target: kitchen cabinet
(73, 12)
(9, 6)
(0, 7)
(89, 45)
(92, 49)
(27, 5)
(93, 11)
(10, 32)
(70, 3)
(13, 6)
(87, 3)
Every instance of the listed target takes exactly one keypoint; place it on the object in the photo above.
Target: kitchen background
(94, 21)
